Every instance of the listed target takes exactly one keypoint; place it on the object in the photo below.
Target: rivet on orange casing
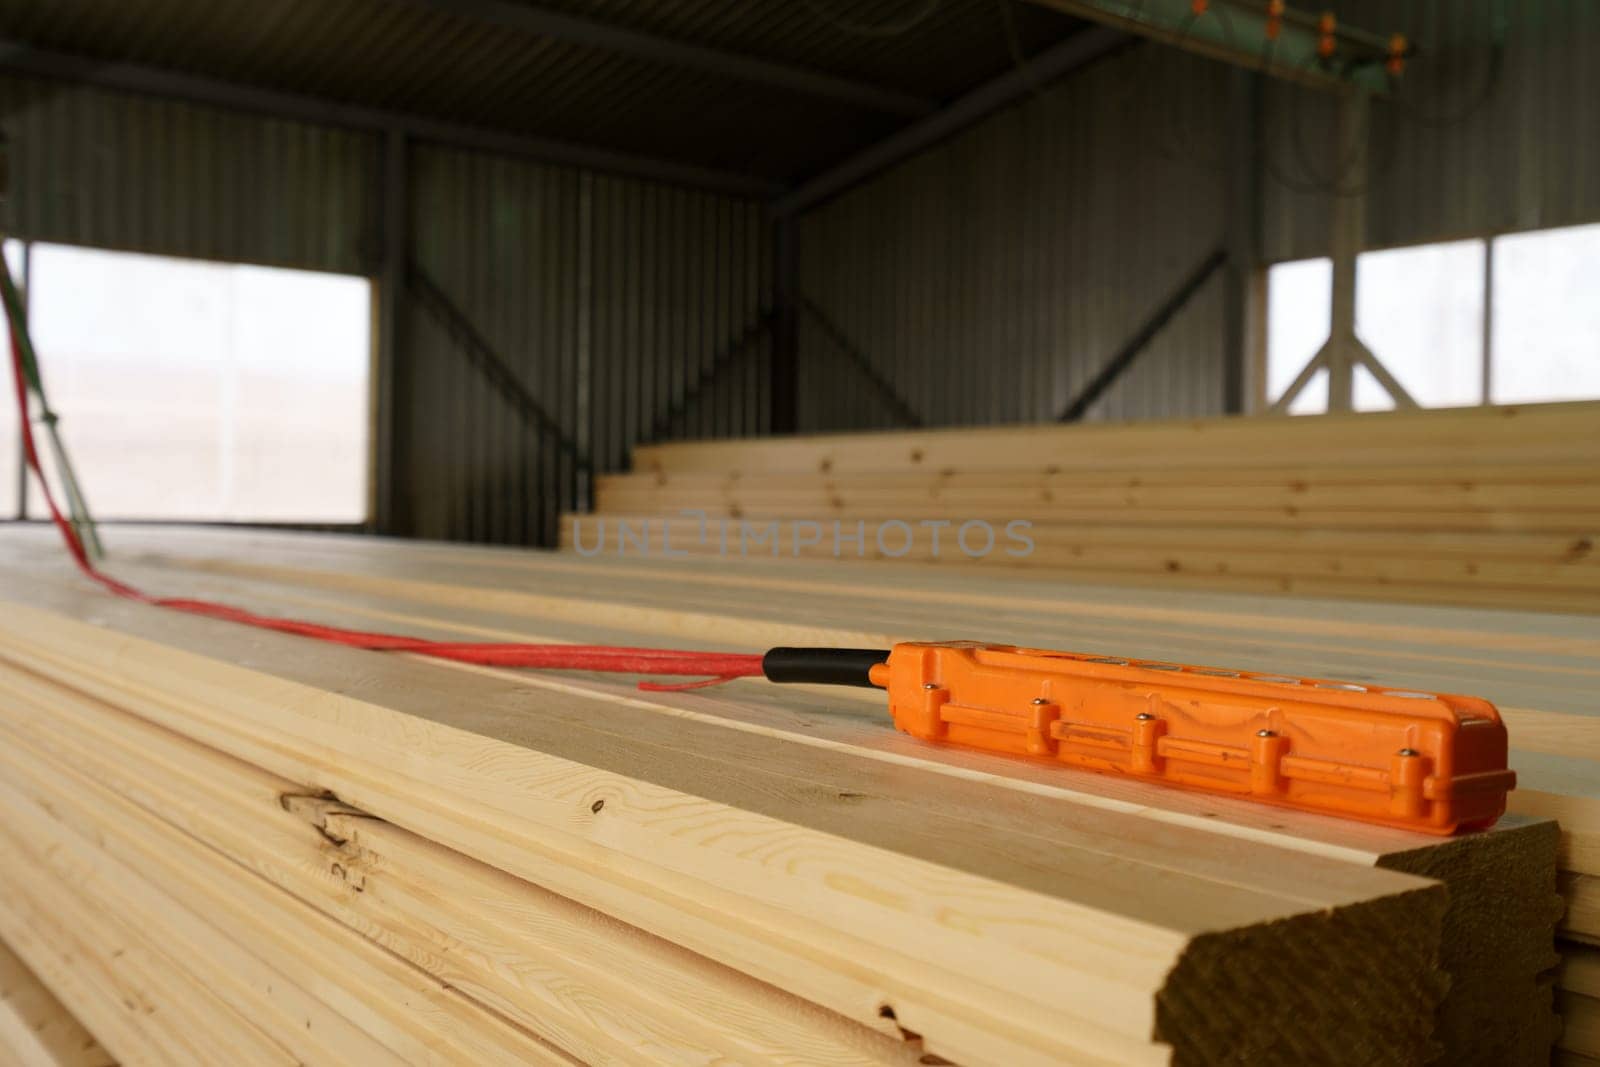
(1432, 762)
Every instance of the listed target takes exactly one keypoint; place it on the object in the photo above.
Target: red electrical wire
(720, 666)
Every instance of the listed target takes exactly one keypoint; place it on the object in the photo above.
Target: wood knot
(597, 805)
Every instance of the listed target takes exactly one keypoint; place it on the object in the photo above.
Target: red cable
(720, 666)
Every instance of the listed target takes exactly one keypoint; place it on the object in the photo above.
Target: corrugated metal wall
(988, 279)
(98, 168)
(627, 311)
(1470, 146)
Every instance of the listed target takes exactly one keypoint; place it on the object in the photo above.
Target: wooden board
(1547, 572)
(1539, 433)
(1548, 498)
(36, 1029)
(1580, 970)
(1580, 1032)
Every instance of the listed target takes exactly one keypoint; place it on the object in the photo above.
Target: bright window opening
(191, 390)
(1546, 333)
(1299, 308)
(1421, 311)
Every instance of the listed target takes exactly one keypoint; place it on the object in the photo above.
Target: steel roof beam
(589, 33)
(155, 81)
(1081, 48)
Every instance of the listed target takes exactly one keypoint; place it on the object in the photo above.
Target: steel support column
(785, 380)
(1241, 215)
(389, 510)
(1349, 224)
(22, 451)
(1344, 350)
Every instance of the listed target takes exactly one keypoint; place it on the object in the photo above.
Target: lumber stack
(1479, 506)
(229, 839)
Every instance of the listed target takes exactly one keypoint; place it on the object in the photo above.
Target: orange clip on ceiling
(1398, 47)
(1327, 26)
(1420, 761)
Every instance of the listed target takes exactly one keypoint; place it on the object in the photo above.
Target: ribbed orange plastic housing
(1421, 761)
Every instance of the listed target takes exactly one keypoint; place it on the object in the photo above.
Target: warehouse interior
(489, 350)
(578, 243)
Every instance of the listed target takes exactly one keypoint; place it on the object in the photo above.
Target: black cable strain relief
(823, 666)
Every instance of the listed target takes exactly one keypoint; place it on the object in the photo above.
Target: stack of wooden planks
(1486, 506)
(230, 845)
